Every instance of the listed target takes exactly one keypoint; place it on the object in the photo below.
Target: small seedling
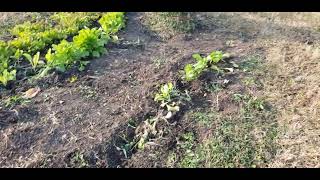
(13, 100)
(73, 79)
(165, 94)
(34, 61)
(78, 159)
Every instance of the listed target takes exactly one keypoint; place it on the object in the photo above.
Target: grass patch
(13, 101)
(244, 139)
(250, 63)
(205, 118)
(167, 24)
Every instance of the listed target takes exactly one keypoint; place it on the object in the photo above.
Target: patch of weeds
(78, 160)
(250, 63)
(205, 118)
(167, 24)
(213, 87)
(88, 92)
(187, 144)
(251, 81)
(250, 102)
(179, 21)
(231, 146)
(234, 143)
(158, 62)
(246, 138)
(171, 160)
(14, 101)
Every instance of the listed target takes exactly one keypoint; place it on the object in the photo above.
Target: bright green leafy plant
(6, 76)
(165, 93)
(34, 61)
(193, 71)
(112, 22)
(91, 41)
(65, 54)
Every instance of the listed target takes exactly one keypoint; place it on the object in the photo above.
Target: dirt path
(79, 124)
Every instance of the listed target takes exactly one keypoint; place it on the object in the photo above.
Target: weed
(251, 103)
(249, 81)
(250, 63)
(168, 24)
(158, 62)
(14, 100)
(187, 144)
(88, 92)
(213, 87)
(78, 160)
(205, 118)
(73, 79)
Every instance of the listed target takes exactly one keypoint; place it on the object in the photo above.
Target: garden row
(57, 43)
(171, 98)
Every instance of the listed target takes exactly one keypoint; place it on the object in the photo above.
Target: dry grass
(291, 80)
(293, 86)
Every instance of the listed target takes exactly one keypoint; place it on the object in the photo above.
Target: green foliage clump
(91, 41)
(193, 71)
(112, 22)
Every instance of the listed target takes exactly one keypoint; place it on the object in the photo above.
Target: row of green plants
(170, 98)
(44, 45)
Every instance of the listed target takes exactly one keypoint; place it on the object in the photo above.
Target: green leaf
(61, 68)
(28, 56)
(95, 54)
(197, 57)
(35, 60)
(6, 76)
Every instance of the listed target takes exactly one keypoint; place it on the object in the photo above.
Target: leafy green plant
(15, 100)
(91, 41)
(28, 27)
(72, 22)
(165, 93)
(65, 54)
(83, 65)
(193, 71)
(5, 53)
(6, 76)
(33, 61)
(32, 38)
(112, 22)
